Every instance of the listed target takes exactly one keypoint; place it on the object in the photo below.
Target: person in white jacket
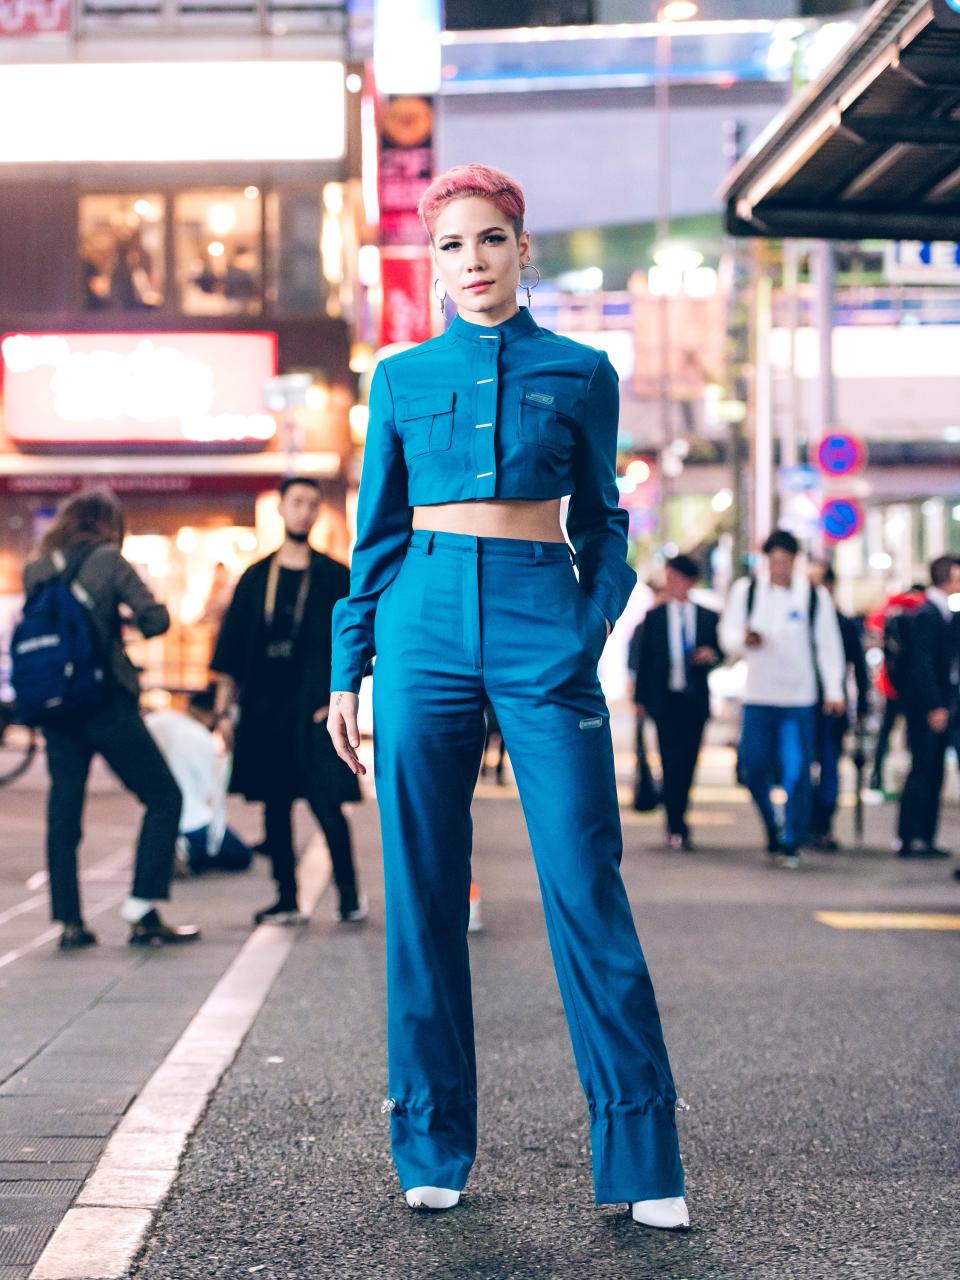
(788, 634)
(197, 761)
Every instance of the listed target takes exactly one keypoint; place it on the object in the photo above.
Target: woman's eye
(496, 239)
(451, 244)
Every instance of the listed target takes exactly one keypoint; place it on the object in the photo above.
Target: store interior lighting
(678, 11)
(221, 218)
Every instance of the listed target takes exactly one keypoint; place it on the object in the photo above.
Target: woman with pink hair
(466, 588)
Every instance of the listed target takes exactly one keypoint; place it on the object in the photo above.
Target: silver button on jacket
(512, 411)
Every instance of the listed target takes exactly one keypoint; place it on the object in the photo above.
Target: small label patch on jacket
(541, 397)
(592, 722)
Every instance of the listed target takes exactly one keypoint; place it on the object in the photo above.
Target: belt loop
(573, 554)
(428, 546)
(537, 552)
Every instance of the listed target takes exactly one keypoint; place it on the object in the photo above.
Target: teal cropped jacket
(512, 411)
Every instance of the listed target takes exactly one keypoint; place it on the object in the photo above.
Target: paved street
(820, 1064)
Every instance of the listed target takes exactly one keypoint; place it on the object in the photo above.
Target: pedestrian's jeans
(233, 854)
(469, 619)
(777, 746)
(116, 732)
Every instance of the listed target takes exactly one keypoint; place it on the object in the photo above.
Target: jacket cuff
(612, 588)
(346, 679)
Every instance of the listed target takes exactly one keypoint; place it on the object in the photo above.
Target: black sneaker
(150, 931)
(823, 842)
(76, 936)
(280, 913)
(353, 913)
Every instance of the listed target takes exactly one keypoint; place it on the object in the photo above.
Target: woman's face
(478, 258)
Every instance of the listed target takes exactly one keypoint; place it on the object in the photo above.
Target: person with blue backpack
(73, 678)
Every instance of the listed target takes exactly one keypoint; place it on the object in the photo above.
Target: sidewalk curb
(102, 1233)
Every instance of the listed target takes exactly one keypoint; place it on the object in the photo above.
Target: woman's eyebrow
(455, 235)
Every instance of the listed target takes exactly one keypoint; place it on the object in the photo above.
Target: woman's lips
(480, 285)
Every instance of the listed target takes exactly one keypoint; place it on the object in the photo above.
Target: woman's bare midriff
(494, 518)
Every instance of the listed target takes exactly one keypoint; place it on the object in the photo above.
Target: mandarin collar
(521, 325)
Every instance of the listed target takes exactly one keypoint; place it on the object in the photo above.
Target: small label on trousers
(593, 722)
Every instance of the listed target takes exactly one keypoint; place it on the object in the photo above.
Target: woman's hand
(342, 728)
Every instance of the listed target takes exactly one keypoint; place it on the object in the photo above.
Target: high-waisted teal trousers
(465, 621)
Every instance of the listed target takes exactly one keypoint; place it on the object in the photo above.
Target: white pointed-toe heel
(670, 1214)
(432, 1198)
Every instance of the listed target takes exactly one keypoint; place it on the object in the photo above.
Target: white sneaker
(670, 1214)
(432, 1198)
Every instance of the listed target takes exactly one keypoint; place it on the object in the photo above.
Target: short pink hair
(473, 180)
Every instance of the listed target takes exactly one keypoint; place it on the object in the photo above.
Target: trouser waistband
(430, 541)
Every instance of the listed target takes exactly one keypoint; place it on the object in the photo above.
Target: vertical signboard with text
(406, 168)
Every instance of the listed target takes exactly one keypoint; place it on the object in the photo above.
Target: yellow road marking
(888, 920)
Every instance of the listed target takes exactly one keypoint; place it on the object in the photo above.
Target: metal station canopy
(871, 148)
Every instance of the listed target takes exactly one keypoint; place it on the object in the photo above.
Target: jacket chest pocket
(426, 423)
(547, 419)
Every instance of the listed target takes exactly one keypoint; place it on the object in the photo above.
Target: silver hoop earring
(528, 288)
(443, 300)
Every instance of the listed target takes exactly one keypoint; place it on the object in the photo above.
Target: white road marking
(99, 1237)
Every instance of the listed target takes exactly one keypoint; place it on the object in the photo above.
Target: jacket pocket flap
(425, 406)
(565, 405)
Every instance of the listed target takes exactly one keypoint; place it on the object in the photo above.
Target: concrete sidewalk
(819, 1062)
(81, 1033)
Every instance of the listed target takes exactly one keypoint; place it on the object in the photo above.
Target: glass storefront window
(121, 252)
(217, 237)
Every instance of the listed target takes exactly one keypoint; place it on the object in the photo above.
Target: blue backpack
(58, 670)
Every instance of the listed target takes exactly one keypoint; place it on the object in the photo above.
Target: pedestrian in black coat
(272, 662)
(679, 648)
(930, 697)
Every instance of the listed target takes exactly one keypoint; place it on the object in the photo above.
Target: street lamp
(667, 15)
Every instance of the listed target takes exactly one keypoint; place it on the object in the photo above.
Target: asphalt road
(821, 1066)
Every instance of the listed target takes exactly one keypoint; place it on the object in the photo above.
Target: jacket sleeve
(925, 685)
(150, 617)
(733, 621)
(384, 523)
(231, 652)
(596, 523)
(855, 657)
(828, 643)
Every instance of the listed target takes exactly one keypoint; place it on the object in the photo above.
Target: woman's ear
(525, 243)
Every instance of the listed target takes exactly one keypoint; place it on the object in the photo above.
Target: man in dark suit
(678, 650)
(931, 699)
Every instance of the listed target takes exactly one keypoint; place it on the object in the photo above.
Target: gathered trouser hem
(636, 1151)
(434, 1142)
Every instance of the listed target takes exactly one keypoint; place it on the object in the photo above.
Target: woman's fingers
(342, 727)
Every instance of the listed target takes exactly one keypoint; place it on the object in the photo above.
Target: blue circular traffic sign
(841, 518)
(840, 454)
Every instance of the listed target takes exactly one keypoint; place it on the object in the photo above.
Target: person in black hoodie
(83, 544)
(272, 663)
(931, 699)
(831, 729)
